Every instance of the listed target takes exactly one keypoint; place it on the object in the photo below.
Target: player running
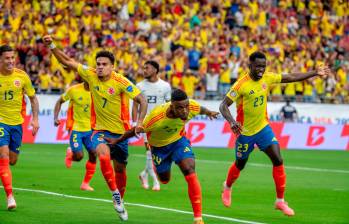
(164, 126)
(110, 117)
(157, 92)
(252, 126)
(79, 126)
(14, 84)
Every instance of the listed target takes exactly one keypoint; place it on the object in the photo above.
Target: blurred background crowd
(201, 46)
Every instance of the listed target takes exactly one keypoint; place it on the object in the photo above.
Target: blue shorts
(79, 138)
(11, 135)
(244, 145)
(176, 151)
(118, 152)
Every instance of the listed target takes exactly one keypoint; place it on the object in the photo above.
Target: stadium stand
(202, 46)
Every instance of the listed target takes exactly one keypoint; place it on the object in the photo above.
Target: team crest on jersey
(264, 86)
(129, 88)
(17, 83)
(111, 90)
(233, 93)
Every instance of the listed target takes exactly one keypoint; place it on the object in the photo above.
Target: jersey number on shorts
(8, 95)
(242, 147)
(152, 99)
(258, 101)
(157, 160)
(75, 137)
(2, 133)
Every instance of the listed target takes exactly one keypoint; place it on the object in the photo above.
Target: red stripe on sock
(279, 176)
(6, 175)
(233, 174)
(107, 171)
(194, 191)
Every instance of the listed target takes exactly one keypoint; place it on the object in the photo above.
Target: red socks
(90, 170)
(6, 176)
(194, 191)
(233, 174)
(279, 176)
(107, 171)
(120, 179)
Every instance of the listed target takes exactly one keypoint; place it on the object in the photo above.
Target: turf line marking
(137, 205)
(269, 166)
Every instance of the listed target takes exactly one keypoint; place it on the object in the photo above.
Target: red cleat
(282, 205)
(226, 195)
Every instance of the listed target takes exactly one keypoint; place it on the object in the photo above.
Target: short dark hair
(106, 54)
(257, 54)
(178, 95)
(154, 64)
(5, 48)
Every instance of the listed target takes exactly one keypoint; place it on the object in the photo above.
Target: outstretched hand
(323, 70)
(113, 141)
(213, 115)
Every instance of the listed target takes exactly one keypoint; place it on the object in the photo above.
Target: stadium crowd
(201, 46)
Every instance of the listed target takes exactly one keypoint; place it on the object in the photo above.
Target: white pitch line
(269, 166)
(137, 205)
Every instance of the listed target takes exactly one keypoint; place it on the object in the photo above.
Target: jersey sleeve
(128, 87)
(67, 95)
(167, 92)
(194, 108)
(234, 92)
(85, 72)
(28, 87)
(273, 78)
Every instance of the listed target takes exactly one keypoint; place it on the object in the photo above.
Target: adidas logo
(251, 92)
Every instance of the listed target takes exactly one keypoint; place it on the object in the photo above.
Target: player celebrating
(110, 117)
(164, 126)
(157, 92)
(14, 83)
(252, 126)
(79, 126)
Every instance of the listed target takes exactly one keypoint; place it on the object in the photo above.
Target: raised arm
(35, 112)
(321, 70)
(59, 54)
(211, 114)
(224, 109)
(58, 105)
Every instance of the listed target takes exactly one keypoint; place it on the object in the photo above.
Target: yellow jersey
(251, 101)
(12, 90)
(110, 100)
(162, 130)
(79, 110)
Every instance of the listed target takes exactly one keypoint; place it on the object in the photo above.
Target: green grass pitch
(317, 189)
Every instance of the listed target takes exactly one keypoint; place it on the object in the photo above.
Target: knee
(92, 157)
(78, 157)
(165, 180)
(120, 168)
(277, 161)
(13, 162)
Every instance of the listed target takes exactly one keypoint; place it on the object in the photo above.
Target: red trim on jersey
(240, 112)
(155, 119)
(93, 114)
(124, 113)
(70, 118)
(24, 108)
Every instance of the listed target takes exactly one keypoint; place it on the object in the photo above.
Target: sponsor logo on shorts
(76, 145)
(129, 88)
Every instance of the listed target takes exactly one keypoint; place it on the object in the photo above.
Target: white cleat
(11, 203)
(156, 187)
(119, 206)
(143, 177)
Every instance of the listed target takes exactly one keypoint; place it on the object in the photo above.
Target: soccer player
(79, 126)
(252, 126)
(110, 117)
(164, 126)
(157, 92)
(14, 84)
